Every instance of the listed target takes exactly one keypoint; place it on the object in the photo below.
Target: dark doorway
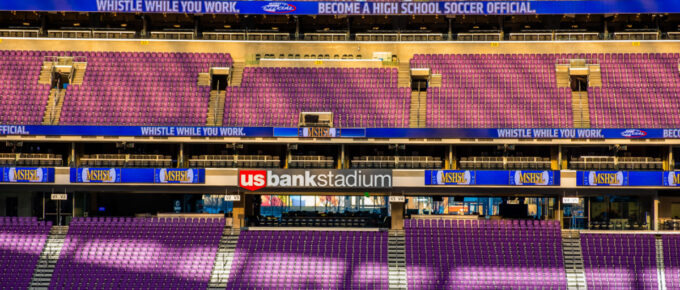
(579, 83)
(219, 82)
(12, 206)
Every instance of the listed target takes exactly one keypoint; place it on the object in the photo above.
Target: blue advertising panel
(534, 177)
(95, 175)
(620, 178)
(671, 178)
(183, 131)
(27, 174)
(311, 132)
(492, 177)
(137, 175)
(162, 131)
(349, 7)
(178, 175)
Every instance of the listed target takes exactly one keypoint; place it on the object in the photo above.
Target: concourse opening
(292, 210)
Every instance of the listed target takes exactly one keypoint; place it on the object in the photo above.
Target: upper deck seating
(495, 91)
(22, 99)
(638, 90)
(357, 97)
(141, 88)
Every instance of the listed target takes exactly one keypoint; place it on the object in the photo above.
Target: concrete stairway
(237, 74)
(580, 110)
(404, 75)
(660, 265)
(48, 258)
(53, 109)
(396, 259)
(225, 255)
(216, 108)
(573, 260)
(418, 113)
(46, 73)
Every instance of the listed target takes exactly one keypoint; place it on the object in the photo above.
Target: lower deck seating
(671, 259)
(310, 260)
(22, 239)
(620, 261)
(446, 254)
(138, 253)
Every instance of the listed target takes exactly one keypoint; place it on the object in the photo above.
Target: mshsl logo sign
(172, 175)
(98, 175)
(604, 178)
(520, 177)
(27, 174)
(452, 177)
(279, 7)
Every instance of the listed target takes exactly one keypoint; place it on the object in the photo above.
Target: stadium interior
(404, 107)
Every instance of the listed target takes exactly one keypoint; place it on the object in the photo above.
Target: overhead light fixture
(26, 24)
(227, 26)
(176, 26)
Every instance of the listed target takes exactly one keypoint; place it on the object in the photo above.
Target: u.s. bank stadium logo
(279, 7)
(318, 178)
(106, 175)
(531, 177)
(26, 175)
(634, 133)
(606, 178)
(176, 176)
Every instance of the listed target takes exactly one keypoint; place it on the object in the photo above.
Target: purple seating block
(310, 260)
(22, 239)
(620, 261)
(358, 97)
(134, 253)
(471, 254)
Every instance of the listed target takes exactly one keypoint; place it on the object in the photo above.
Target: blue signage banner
(621, 178)
(320, 132)
(162, 131)
(183, 131)
(137, 175)
(95, 175)
(27, 174)
(492, 177)
(349, 7)
(178, 175)
(671, 178)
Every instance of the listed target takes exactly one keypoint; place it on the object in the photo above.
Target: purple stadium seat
(358, 97)
(126, 253)
(310, 260)
(21, 241)
(495, 91)
(638, 90)
(22, 99)
(141, 88)
(671, 259)
(620, 261)
(457, 254)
